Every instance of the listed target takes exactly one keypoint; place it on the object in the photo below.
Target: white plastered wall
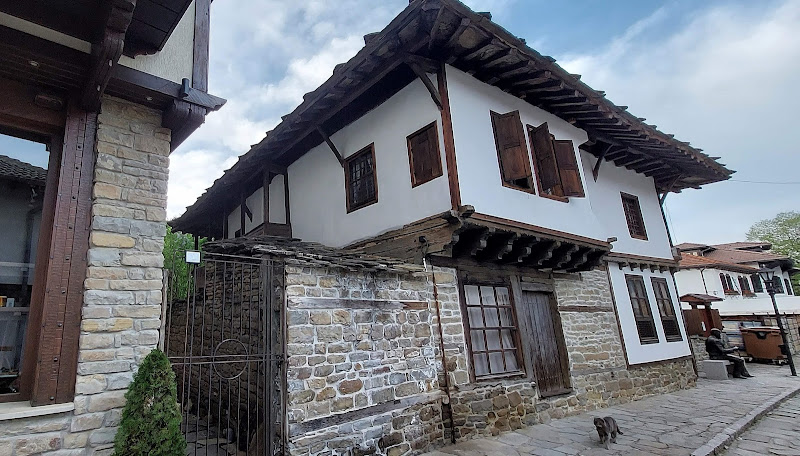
(636, 352)
(318, 205)
(599, 215)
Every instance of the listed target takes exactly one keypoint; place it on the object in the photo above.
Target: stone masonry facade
(123, 288)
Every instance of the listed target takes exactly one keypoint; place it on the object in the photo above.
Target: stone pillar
(123, 297)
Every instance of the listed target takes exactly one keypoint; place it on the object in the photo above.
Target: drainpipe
(447, 408)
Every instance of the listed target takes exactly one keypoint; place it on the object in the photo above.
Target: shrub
(151, 419)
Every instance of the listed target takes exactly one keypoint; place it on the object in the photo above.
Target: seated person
(716, 350)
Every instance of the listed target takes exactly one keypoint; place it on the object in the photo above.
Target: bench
(717, 369)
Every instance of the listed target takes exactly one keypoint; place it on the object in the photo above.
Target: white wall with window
(649, 315)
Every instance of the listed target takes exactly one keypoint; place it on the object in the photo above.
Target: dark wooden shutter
(546, 353)
(423, 155)
(645, 325)
(546, 165)
(633, 215)
(669, 320)
(511, 149)
(568, 167)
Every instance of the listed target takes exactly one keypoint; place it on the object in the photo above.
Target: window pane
(508, 338)
(496, 362)
(472, 295)
(475, 317)
(481, 364)
(493, 339)
(478, 343)
(23, 175)
(506, 317)
(511, 361)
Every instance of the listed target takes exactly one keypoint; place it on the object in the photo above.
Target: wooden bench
(717, 369)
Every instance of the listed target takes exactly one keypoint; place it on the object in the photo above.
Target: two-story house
(448, 142)
(96, 94)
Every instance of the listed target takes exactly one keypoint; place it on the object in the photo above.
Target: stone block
(106, 401)
(102, 239)
(36, 444)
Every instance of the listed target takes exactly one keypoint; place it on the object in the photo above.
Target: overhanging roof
(448, 31)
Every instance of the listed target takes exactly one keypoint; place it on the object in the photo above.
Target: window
(360, 179)
(645, 325)
(509, 138)
(744, 285)
(727, 284)
(788, 286)
(492, 329)
(669, 321)
(556, 164)
(423, 155)
(758, 287)
(633, 215)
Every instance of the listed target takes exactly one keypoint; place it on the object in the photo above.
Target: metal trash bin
(764, 343)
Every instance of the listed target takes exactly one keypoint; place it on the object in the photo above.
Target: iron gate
(224, 335)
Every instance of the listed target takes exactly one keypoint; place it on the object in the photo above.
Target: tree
(175, 246)
(151, 419)
(783, 232)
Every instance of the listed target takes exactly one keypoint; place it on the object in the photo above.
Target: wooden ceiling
(152, 24)
(448, 31)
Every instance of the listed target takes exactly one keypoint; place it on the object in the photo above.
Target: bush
(151, 419)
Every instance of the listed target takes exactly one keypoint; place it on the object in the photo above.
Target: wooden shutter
(633, 215)
(546, 165)
(511, 149)
(645, 325)
(423, 155)
(568, 167)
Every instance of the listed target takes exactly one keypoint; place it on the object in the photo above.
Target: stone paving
(669, 424)
(777, 433)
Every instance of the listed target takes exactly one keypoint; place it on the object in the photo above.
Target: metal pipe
(771, 290)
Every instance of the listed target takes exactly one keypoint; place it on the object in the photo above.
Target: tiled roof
(295, 251)
(690, 246)
(13, 169)
(743, 245)
(744, 256)
(689, 261)
(699, 297)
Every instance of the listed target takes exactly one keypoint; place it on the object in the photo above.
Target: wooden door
(547, 354)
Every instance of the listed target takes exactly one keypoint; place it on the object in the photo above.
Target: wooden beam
(423, 76)
(596, 168)
(565, 256)
(545, 252)
(202, 26)
(332, 146)
(454, 39)
(449, 141)
(106, 52)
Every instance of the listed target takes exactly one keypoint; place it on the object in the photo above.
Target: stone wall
(599, 374)
(122, 299)
(364, 363)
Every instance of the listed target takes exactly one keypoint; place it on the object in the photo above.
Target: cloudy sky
(721, 74)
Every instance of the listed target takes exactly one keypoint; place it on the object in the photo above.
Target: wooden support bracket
(332, 146)
(106, 52)
(423, 76)
(596, 169)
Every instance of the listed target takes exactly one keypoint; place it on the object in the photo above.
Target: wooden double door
(543, 341)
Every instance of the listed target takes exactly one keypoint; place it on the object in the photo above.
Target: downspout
(446, 404)
(702, 276)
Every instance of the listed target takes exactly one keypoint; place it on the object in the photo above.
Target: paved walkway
(777, 433)
(670, 424)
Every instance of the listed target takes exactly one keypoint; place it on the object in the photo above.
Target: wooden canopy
(429, 33)
(487, 239)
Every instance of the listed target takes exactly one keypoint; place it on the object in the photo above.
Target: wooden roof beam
(596, 169)
(331, 145)
(423, 76)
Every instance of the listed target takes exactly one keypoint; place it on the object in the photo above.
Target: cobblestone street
(672, 424)
(777, 433)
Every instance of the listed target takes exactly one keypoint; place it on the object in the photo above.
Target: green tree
(151, 419)
(783, 232)
(175, 246)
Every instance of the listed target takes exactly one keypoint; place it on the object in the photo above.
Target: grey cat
(607, 429)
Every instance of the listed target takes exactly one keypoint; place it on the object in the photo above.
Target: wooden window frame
(787, 287)
(49, 365)
(665, 304)
(468, 330)
(758, 286)
(531, 186)
(438, 169)
(537, 170)
(728, 286)
(638, 214)
(643, 318)
(370, 149)
(744, 284)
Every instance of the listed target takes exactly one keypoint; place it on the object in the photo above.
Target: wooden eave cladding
(447, 31)
(487, 239)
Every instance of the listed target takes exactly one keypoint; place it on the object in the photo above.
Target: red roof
(689, 261)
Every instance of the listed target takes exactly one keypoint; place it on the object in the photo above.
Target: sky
(720, 74)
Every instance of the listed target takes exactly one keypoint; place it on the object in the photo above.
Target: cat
(607, 429)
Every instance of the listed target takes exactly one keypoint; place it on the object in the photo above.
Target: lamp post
(768, 277)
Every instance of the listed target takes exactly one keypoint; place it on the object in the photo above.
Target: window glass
(493, 331)
(633, 215)
(360, 179)
(23, 175)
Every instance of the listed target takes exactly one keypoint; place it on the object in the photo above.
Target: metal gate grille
(224, 336)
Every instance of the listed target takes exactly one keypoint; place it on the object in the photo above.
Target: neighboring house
(730, 271)
(531, 200)
(720, 286)
(108, 89)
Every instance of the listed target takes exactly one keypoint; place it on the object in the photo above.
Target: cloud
(726, 81)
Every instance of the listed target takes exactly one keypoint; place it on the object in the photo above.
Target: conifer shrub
(151, 419)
